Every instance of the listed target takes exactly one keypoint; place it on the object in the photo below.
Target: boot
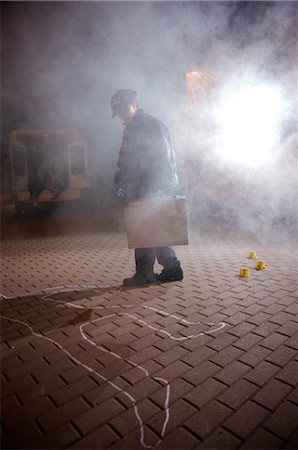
(171, 273)
(139, 279)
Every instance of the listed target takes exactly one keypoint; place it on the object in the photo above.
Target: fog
(62, 61)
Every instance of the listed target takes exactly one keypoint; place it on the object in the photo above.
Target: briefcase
(156, 222)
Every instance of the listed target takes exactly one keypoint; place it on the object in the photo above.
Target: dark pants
(145, 258)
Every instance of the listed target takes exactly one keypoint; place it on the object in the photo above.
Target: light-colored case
(156, 222)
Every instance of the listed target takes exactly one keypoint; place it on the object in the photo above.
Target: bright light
(248, 122)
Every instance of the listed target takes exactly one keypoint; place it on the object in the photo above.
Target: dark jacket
(147, 163)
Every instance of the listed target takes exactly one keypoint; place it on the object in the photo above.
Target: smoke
(62, 61)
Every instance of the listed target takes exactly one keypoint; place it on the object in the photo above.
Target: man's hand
(117, 177)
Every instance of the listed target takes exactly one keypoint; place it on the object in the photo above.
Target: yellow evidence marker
(252, 255)
(260, 265)
(244, 272)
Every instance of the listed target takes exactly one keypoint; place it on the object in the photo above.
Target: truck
(47, 166)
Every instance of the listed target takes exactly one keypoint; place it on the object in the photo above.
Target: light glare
(248, 122)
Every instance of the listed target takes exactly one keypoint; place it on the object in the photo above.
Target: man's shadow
(58, 308)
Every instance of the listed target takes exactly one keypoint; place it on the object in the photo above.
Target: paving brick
(133, 440)
(136, 374)
(28, 435)
(288, 328)
(104, 436)
(283, 422)
(261, 294)
(211, 311)
(226, 356)
(254, 309)
(288, 285)
(233, 309)
(238, 394)
(293, 397)
(76, 389)
(139, 332)
(171, 355)
(255, 355)
(272, 394)
(223, 295)
(62, 414)
(281, 356)
(292, 441)
(178, 389)
(206, 420)
(194, 344)
(144, 388)
(242, 329)
(125, 328)
(273, 341)
(221, 439)
(179, 413)
(140, 356)
(64, 436)
(9, 404)
(51, 355)
(262, 373)
(27, 394)
(166, 344)
(127, 420)
(105, 360)
(289, 374)
(263, 439)
(249, 417)
(247, 341)
(11, 364)
(30, 411)
(282, 318)
(238, 318)
(145, 341)
(265, 329)
(232, 372)
(244, 298)
(292, 308)
(273, 308)
(179, 439)
(22, 369)
(198, 355)
(71, 374)
(205, 392)
(199, 374)
(222, 341)
(97, 395)
(173, 371)
(61, 366)
(280, 294)
(115, 368)
(293, 341)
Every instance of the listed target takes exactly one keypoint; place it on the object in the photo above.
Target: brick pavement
(209, 362)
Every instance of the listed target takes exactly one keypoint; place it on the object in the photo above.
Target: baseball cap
(121, 99)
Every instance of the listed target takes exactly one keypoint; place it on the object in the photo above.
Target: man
(147, 168)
